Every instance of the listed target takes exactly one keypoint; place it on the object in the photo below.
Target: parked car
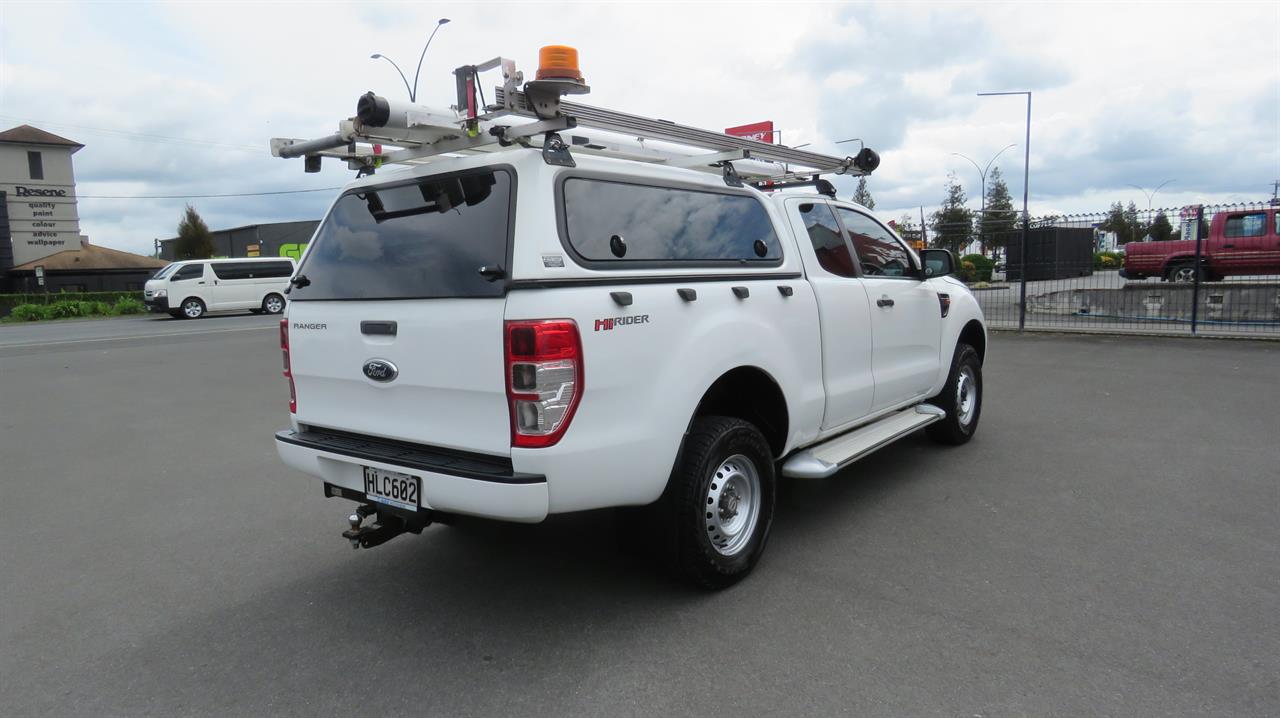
(509, 338)
(1244, 242)
(188, 290)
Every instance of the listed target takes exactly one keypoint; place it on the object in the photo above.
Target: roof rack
(419, 133)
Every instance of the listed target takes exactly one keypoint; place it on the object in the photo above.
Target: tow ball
(384, 527)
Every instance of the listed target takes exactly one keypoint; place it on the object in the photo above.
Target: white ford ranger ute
(498, 336)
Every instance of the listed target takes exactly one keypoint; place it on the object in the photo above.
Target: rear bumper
(451, 482)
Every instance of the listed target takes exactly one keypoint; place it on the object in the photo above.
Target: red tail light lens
(544, 379)
(288, 371)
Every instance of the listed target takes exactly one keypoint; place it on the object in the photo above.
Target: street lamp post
(982, 172)
(1152, 193)
(413, 91)
(1026, 218)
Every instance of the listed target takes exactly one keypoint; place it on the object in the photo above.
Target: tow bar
(385, 526)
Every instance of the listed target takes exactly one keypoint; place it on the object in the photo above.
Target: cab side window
(1246, 225)
(828, 242)
(191, 271)
(879, 253)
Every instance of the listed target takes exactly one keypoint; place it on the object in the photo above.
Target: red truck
(1244, 242)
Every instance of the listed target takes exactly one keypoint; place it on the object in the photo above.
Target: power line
(202, 196)
(139, 136)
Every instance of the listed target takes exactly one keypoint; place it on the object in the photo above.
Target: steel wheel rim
(732, 505)
(966, 396)
(274, 304)
(192, 309)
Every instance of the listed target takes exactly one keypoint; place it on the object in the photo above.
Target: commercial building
(40, 224)
(277, 239)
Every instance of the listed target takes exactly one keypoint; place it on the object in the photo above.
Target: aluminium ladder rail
(666, 131)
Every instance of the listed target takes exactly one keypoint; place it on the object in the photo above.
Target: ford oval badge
(380, 370)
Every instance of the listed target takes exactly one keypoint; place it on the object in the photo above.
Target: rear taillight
(544, 379)
(288, 371)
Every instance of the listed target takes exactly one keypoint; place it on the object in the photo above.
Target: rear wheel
(961, 398)
(192, 308)
(719, 504)
(273, 304)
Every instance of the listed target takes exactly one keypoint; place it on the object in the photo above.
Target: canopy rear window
(615, 223)
(423, 239)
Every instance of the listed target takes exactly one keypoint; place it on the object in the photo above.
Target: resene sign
(21, 191)
(759, 131)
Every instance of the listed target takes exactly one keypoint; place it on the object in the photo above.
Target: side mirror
(937, 262)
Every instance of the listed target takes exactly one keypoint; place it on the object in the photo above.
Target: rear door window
(422, 239)
(611, 222)
(879, 252)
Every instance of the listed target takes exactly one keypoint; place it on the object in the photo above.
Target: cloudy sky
(181, 99)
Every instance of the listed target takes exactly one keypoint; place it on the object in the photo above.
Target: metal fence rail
(1197, 270)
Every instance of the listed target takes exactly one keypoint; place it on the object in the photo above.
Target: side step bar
(822, 460)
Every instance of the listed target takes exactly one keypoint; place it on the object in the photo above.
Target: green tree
(953, 222)
(862, 195)
(1124, 222)
(195, 241)
(1000, 220)
(1161, 230)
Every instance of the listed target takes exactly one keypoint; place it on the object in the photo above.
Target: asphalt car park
(1106, 545)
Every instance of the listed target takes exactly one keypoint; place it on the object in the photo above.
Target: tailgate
(446, 387)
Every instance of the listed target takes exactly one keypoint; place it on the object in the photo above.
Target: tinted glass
(230, 270)
(665, 224)
(251, 270)
(879, 253)
(828, 242)
(190, 271)
(420, 240)
(35, 165)
(164, 272)
(1246, 225)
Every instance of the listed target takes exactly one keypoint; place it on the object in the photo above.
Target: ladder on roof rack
(421, 133)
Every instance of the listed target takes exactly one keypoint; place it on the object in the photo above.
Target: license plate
(392, 488)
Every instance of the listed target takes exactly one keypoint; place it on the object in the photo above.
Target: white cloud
(1123, 93)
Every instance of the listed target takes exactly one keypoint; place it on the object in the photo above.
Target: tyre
(192, 308)
(1183, 273)
(719, 504)
(961, 398)
(273, 303)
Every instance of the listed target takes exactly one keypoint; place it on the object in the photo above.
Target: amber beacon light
(558, 62)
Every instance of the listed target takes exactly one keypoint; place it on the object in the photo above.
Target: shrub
(29, 312)
(63, 309)
(979, 265)
(9, 301)
(1107, 260)
(128, 305)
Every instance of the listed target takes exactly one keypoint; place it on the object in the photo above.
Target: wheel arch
(751, 394)
(975, 336)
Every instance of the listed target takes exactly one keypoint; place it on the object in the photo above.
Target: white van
(188, 289)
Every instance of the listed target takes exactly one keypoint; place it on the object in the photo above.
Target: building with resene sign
(39, 221)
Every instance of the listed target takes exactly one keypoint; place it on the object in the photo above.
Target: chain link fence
(1196, 270)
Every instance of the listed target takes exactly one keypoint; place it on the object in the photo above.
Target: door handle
(199, 282)
(1228, 246)
(884, 302)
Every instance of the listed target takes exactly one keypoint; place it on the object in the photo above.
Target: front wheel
(192, 308)
(720, 502)
(1184, 273)
(961, 398)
